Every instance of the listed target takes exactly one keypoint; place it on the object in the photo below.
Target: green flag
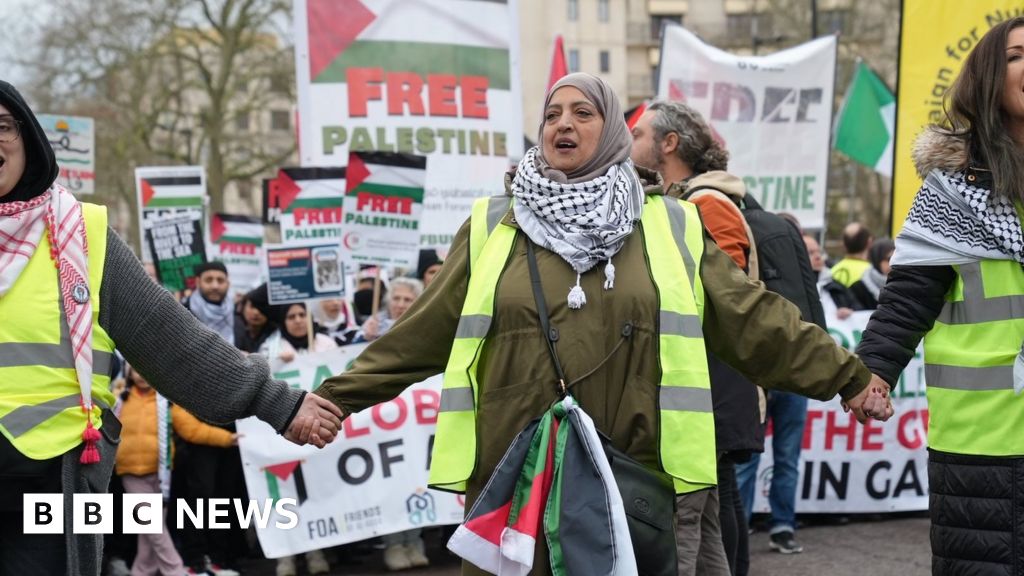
(867, 121)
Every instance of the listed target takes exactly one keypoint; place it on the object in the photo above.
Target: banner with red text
(438, 78)
(850, 467)
(773, 113)
(371, 480)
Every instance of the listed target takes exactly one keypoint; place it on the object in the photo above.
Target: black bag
(648, 496)
(783, 263)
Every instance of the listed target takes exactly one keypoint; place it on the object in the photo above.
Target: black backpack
(781, 260)
(783, 263)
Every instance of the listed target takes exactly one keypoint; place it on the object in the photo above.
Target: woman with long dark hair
(957, 281)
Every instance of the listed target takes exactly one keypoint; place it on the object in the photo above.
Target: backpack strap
(698, 191)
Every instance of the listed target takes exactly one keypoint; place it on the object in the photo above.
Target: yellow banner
(936, 37)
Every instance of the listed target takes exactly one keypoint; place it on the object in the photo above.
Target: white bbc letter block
(93, 514)
(142, 513)
(43, 514)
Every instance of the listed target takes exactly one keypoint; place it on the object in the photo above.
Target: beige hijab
(615, 143)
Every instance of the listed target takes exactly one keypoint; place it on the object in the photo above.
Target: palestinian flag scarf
(554, 482)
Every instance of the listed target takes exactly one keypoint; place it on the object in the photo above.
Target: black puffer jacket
(976, 502)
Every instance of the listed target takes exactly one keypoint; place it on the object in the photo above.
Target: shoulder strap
(753, 271)
(550, 334)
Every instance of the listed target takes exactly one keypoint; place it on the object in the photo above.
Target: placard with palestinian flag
(437, 78)
(306, 202)
(237, 241)
(163, 190)
(383, 208)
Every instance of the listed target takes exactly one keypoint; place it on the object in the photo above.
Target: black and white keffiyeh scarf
(954, 222)
(585, 223)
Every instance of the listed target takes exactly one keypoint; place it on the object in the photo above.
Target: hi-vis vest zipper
(969, 356)
(40, 400)
(674, 243)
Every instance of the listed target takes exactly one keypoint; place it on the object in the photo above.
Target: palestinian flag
(183, 191)
(584, 523)
(867, 122)
(237, 230)
(286, 472)
(386, 174)
(451, 38)
(305, 188)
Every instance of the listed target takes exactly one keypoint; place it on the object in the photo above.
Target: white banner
(850, 467)
(447, 88)
(773, 113)
(73, 140)
(371, 480)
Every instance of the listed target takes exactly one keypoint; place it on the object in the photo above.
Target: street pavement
(876, 544)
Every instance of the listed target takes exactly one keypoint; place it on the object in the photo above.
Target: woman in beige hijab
(578, 199)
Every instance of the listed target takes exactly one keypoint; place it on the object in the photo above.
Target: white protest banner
(446, 87)
(306, 202)
(371, 480)
(300, 272)
(773, 113)
(383, 207)
(237, 241)
(73, 140)
(846, 466)
(163, 190)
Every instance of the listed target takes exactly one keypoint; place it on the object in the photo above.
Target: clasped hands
(317, 422)
(874, 401)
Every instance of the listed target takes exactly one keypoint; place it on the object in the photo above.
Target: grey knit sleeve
(188, 363)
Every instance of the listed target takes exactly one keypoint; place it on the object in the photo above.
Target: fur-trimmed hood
(936, 149)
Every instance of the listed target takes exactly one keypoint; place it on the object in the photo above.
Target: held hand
(873, 401)
(286, 356)
(317, 422)
(371, 329)
(234, 439)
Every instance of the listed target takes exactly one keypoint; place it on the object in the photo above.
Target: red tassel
(90, 455)
(90, 434)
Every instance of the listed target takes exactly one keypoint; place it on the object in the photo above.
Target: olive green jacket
(756, 331)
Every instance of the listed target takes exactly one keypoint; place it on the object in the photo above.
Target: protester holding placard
(629, 307)
(71, 289)
(404, 292)
(957, 281)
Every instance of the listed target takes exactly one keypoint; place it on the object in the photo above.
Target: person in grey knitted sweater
(189, 364)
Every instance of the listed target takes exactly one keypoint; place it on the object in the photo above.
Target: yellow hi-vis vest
(674, 244)
(40, 400)
(969, 356)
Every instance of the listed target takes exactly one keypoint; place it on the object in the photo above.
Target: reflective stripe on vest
(40, 398)
(687, 444)
(969, 356)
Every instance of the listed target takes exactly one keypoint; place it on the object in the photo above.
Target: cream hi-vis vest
(674, 245)
(40, 399)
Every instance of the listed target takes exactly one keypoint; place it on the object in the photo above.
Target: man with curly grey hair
(672, 139)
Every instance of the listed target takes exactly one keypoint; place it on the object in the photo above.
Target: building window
(280, 120)
(242, 122)
(739, 24)
(574, 60)
(659, 20)
(574, 10)
(606, 61)
(603, 10)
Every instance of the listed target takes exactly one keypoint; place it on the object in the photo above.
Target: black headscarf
(297, 342)
(40, 163)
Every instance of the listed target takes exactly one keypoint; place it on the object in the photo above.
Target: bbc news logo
(144, 513)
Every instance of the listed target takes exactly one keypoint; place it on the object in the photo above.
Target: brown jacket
(752, 329)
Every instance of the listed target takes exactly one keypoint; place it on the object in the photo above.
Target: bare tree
(169, 82)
